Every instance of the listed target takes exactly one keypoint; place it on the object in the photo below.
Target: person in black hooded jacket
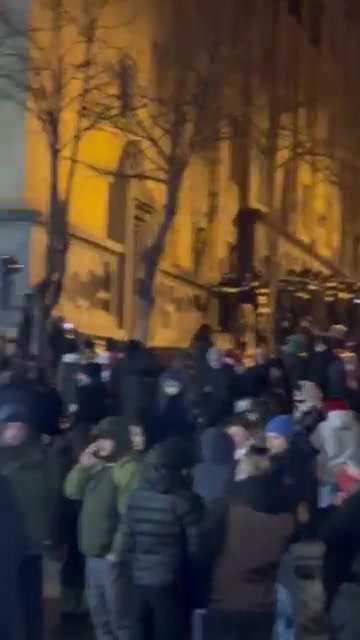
(12, 551)
(341, 536)
(344, 615)
(91, 395)
(160, 540)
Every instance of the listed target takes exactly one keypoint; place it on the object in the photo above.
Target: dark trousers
(72, 579)
(30, 582)
(223, 625)
(157, 614)
(10, 609)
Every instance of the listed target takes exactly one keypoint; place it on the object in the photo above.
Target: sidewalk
(55, 629)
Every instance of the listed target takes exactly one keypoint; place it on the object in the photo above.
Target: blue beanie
(280, 426)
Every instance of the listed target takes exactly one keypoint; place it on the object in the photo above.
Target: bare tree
(187, 108)
(51, 67)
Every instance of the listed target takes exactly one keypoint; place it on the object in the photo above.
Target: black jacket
(133, 383)
(296, 469)
(341, 535)
(12, 550)
(161, 527)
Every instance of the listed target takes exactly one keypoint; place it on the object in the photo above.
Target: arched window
(130, 163)
(127, 83)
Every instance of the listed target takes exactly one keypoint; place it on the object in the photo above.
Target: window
(126, 85)
(161, 70)
(117, 209)
(333, 133)
(306, 205)
(238, 151)
(333, 37)
(316, 16)
(262, 181)
(295, 9)
(198, 246)
(120, 290)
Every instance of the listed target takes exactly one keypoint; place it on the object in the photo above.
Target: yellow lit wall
(88, 213)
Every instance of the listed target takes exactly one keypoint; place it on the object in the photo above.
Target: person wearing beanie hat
(102, 480)
(35, 483)
(278, 434)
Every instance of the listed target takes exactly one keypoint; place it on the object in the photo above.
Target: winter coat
(296, 367)
(91, 405)
(337, 439)
(104, 491)
(34, 478)
(341, 536)
(175, 419)
(12, 550)
(254, 382)
(133, 382)
(319, 363)
(253, 540)
(336, 379)
(46, 410)
(344, 615)
(214, 392)
(212, 476)
(66, 381)
(296, 470)
(160, 535)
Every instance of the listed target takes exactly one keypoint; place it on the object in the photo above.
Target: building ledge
(28, 216)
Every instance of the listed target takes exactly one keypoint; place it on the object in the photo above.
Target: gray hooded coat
(211, 476)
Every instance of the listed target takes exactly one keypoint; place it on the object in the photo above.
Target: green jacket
(104, 490)
(36, 487)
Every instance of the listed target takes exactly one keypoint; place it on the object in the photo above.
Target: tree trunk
(151, 259)
(47, 293)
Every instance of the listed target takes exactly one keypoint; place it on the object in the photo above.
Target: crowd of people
(194, 498)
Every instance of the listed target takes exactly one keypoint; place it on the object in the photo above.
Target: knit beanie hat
(280, 426)
(116, 429)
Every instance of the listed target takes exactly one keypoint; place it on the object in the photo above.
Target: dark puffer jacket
(161, 527)
(12, 550)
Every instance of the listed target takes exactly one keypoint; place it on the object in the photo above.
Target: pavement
(57, 629)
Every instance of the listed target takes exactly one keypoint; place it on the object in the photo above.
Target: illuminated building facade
(111, 218)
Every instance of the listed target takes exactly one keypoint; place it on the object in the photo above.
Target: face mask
(172, 388)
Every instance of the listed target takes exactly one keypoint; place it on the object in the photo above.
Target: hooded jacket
(336, 438)
(174, 420)
(133, 382)
(66, 380)
(341, 535)
(104, 490)
(35, 481)
(12, 550)
(161, 526)
(213, 474)
(254, 538)
(344, 613)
